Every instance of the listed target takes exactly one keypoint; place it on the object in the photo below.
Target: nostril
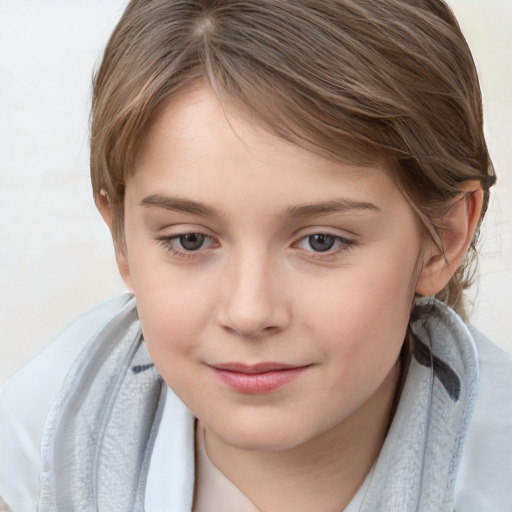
(250, 331)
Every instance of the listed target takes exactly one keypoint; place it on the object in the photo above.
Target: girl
(294, 190)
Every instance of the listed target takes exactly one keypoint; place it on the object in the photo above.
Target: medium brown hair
(358, 81)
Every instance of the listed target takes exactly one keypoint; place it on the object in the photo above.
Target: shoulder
(26, 398)
(486, 469)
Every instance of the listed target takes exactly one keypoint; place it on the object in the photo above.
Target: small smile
(257, 378)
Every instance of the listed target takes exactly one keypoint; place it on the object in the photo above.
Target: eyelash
(344, 244)
(168, 242)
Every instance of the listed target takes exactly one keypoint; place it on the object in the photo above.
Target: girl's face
(273, 286)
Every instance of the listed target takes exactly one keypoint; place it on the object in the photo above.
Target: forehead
(200, 147)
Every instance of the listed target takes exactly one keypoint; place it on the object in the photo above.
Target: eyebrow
(179, 204)
(336, 205)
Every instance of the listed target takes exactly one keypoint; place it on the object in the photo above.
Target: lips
(257, 378)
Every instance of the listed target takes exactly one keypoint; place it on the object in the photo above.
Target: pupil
(321, 243)
(192, 241)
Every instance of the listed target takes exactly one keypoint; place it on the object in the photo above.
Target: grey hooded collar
(99, 435)
(418, 463)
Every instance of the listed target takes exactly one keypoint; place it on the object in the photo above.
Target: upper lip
(250, 369)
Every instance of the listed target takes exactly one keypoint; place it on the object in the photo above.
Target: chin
(265, 433)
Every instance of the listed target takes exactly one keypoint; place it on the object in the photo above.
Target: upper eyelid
(342, 239)
(334, 232)
(164, 238)
(177, 230)
(184, 228)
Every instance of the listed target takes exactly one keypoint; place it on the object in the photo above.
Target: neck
(322, 474)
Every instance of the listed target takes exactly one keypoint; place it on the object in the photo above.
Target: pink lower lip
(263, 382)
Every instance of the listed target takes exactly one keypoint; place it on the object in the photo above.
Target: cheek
(366, 299)
(174, 308)
(172, 323)
(364, 316)
(171, 315)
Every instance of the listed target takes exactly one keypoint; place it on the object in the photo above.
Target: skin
(256, 291)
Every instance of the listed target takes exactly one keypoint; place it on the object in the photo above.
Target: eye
(324, 243)
(187, 245)
(191, 241)
(320, 242)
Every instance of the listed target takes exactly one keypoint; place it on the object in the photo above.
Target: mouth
(257, 378)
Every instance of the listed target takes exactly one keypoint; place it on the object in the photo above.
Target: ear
(104, 205)
(459, 225)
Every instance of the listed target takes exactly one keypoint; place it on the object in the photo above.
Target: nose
(255, 302)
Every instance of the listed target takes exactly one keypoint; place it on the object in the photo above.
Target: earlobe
(103, 204)
(459, 224)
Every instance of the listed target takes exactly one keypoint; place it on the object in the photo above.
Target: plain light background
(56, 258)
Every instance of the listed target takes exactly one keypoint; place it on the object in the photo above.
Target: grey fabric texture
(98, 437)
(418, 464)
